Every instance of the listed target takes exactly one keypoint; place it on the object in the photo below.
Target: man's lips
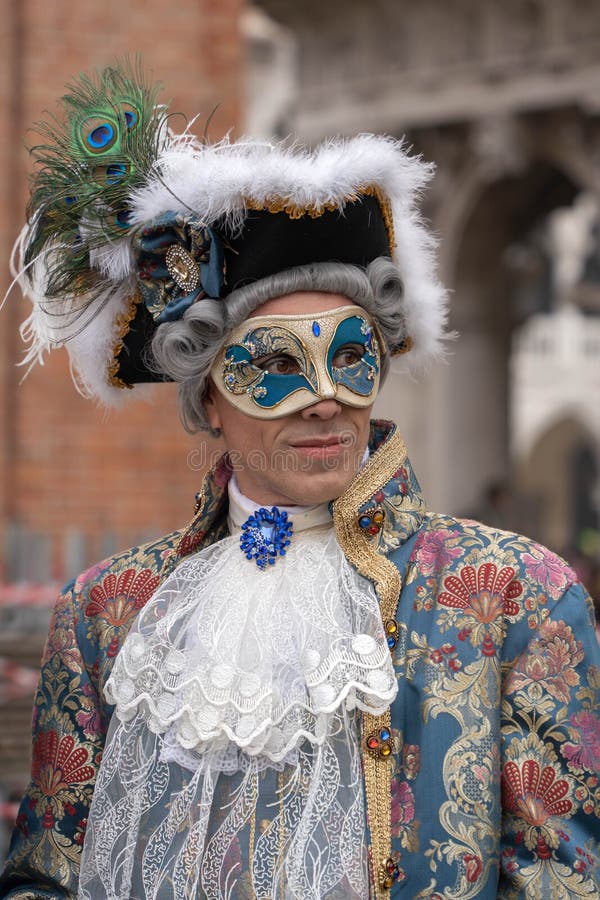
(329, 446)
(320, 442)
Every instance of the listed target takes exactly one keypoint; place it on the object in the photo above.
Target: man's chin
(313, 488)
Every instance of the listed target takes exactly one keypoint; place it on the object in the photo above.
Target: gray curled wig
(185, 350)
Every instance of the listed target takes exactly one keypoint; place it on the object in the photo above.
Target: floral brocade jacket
(492, 787)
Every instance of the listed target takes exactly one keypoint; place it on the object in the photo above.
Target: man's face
(306, 457)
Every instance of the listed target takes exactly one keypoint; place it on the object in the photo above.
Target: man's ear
(211, 406)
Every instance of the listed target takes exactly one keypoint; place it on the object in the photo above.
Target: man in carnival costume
(321, 690)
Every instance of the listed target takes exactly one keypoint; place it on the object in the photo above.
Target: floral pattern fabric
(495, 787)
(499, 649)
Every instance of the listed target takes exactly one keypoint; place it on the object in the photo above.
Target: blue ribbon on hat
(165, 297)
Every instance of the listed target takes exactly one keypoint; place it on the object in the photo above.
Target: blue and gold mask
(272, 366)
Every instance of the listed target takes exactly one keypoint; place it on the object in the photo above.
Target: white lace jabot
(231, 670)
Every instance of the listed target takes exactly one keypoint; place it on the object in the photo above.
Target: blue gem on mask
(265, 536)
(316, 329)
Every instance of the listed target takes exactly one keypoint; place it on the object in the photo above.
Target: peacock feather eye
(99, 134)
(131, 114)
(111, 174)
(122, 219)
(116, 172)
(103, 145)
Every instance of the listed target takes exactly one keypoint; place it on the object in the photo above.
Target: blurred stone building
(504, 97)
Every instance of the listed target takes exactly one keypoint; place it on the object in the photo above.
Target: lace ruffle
(232, 765)
(226, 654)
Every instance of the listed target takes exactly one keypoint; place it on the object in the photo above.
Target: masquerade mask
(272, 366)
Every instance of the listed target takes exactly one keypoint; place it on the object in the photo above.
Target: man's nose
(324, 409)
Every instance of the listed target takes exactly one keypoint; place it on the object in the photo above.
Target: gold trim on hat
(315, 210)
(122, 324)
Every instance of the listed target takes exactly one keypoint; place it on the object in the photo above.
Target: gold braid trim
(280, 204)
(378, 778)
(314, 210)
(360, 549)
(122, 324)
(386, 211)
(404, 347)
(358, 546)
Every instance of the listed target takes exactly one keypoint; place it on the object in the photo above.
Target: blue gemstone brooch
(265, 535)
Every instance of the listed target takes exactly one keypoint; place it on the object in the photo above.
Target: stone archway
(469, 399)
(550, 475)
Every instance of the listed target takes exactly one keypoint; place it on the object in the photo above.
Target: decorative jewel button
(316, 329)
(390, 873)
(371, 520)
(392, 633)
(379, 743)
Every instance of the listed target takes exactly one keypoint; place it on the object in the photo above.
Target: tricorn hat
(130, 224)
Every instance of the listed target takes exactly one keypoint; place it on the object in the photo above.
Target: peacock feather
(104, 143)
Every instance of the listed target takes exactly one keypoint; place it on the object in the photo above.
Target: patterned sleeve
(68, 735)
(551, 759)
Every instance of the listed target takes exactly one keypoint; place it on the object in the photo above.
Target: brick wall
(75, 482)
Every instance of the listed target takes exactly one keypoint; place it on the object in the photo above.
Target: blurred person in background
(317, 689)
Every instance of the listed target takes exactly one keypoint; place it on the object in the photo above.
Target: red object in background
(16, 680)
(28, 594)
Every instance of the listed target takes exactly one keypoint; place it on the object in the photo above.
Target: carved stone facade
(505, 98)
(392, 65)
